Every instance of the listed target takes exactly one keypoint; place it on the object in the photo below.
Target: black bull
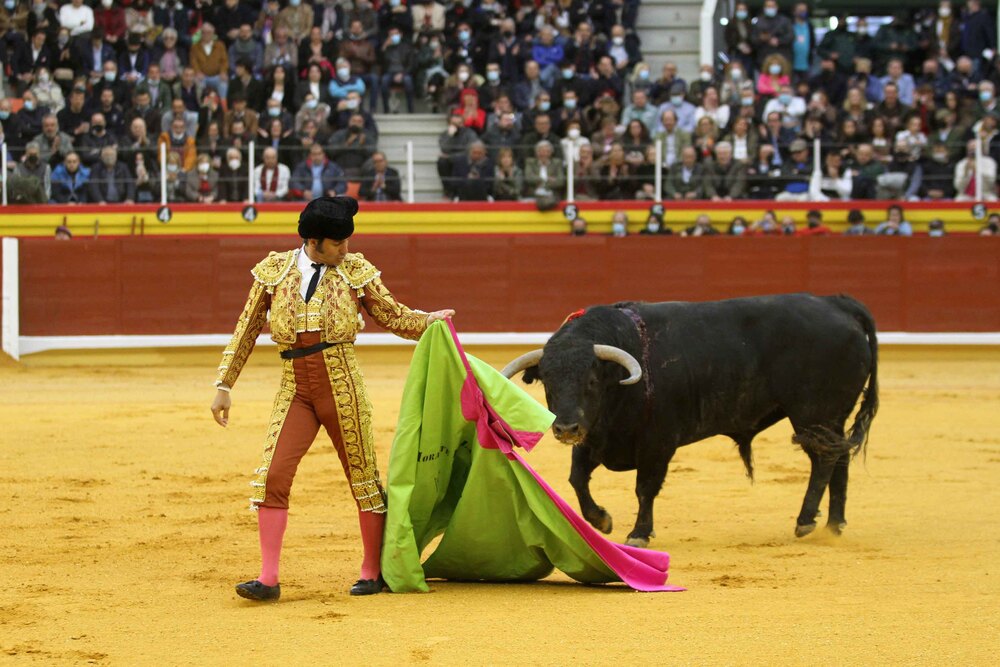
(664, 375)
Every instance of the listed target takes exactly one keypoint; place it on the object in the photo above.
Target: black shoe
(368, 586)
(254, 590)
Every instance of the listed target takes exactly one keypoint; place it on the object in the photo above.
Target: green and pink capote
(455, 472)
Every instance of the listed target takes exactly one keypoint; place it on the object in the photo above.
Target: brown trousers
(313, 406)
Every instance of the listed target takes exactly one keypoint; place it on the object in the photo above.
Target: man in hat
(310, 297)
(796, 172)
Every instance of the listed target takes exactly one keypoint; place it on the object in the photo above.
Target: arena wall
(447, 218)
(510, 283)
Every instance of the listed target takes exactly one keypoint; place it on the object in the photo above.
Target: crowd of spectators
(896, 109)
(93, 89)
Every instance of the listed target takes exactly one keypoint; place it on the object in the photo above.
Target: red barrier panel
(505, 283)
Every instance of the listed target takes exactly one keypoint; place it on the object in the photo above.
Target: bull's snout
(570, 433)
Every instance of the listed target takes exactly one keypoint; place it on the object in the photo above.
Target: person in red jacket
(814, 225)
(468, 108)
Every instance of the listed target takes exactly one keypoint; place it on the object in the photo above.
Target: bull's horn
(522, 363)
(620, 356)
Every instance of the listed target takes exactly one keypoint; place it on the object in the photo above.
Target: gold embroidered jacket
(333, 309)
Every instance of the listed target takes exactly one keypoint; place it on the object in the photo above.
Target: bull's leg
(819, 478)
(838, 495)
(579, 478)
(648, 482)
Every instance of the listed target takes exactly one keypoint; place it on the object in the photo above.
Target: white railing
(409, 172)
(251, 192)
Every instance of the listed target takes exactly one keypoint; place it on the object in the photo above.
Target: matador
(310, 298)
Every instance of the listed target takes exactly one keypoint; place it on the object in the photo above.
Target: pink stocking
(372, 525)
(271, 522)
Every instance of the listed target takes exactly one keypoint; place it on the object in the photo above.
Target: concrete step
(662, 15)
(671, 39)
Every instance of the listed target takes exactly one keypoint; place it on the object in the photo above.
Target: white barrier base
(35, 344)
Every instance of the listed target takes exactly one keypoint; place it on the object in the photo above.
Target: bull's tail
(857, 437)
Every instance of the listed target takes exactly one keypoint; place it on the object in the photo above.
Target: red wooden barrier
(505, 283)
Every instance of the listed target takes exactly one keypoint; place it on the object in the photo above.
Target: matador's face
(328, 251)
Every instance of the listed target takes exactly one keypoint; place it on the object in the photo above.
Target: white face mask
(234, 164)
(344, 72)
(944, 12)
(107, 3)
(618, 41)
(573, 133)
(204, 167)
(706, 76)
(463, 76)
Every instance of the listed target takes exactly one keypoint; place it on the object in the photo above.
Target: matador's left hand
(439, 315)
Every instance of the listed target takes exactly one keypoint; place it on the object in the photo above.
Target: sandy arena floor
(125, 528)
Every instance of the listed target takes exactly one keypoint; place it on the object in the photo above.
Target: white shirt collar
(304, 265)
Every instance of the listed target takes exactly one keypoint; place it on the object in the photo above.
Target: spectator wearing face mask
(939, 175)
(654, 227)
(47, 92)
(360, 53)
(110, 180)
(202, 183)
(619, 224)
(22, 126)
(683, 110)
(179, 142)
(738, 35)
(791, 108)
(772, 33)
(90, 145)
(70, 181)
(352, 146)
(233, 179)
(312, 110)
(32, 166)
(397, 58)
(774, 73)
(344, 82)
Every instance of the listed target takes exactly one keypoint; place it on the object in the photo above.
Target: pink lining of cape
(641, 569)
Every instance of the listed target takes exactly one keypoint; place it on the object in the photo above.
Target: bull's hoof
(837, 528)
(641, 542)
(801, 530)
(601, 521)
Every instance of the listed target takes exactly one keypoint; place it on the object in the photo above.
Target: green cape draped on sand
(453, 473)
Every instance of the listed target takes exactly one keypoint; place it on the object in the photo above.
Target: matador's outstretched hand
(220, 407)
(439, 315)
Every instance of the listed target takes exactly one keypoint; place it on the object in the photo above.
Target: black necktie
(313, 282)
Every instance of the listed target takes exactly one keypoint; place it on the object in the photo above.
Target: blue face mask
(274, 112)
(570, 103)
(775, 70)
(9, 4)
(544, 106)
(785, 99)
(644, 74)
(738, 230)
(493, 75)
(746, 101)
(29, 105)
(985, 96)
(395, 39)
(770, 12)
(741, 15)
(567, 74)
(4, 115)
(677, 100)
(464, 35)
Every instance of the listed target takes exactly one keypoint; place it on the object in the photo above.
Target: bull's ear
(530, 375)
